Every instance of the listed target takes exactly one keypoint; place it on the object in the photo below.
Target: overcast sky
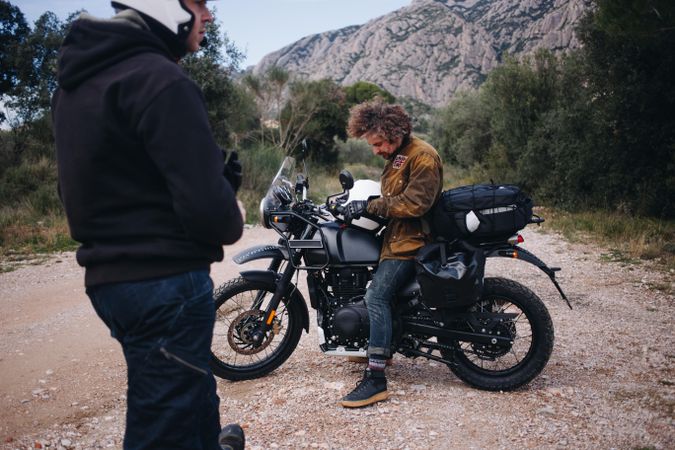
(256, 26)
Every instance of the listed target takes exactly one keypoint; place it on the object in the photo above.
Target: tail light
(516, 239)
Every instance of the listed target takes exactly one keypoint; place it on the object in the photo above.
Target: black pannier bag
(481, 212)
(450, 274)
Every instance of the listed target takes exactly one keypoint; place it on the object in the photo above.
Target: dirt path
(609, 384)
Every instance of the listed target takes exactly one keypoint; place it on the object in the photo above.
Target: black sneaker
(371, 389)
(231, 437)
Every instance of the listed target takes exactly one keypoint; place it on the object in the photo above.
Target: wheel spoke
(512, 362)
(493, 358)
(237, 318)
(515, 356)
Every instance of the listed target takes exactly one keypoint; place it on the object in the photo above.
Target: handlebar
(336, 208)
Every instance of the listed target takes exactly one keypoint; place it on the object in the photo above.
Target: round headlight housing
(277, 197)
(264, 212)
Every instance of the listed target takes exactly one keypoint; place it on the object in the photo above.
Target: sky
(257, 27)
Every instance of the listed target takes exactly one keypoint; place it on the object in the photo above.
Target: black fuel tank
(346, 246)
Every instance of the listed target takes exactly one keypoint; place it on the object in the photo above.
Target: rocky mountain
(430, 49)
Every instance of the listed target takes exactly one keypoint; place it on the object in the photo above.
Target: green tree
(268, 91)
(558, 162)
(461, 131)
(517, 94)
(362, 91)
(33, 82)
(630, 64)
(231, 111)
(295, 110)
(317, 112)
(36, 68)
(13, 33)
(420, 114)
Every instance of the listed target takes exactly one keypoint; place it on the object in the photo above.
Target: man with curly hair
(411, 182)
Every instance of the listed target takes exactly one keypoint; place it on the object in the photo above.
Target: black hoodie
(140, 175)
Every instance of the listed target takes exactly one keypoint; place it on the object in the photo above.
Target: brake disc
(239, 335)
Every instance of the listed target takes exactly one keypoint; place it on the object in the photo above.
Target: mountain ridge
(431, 49)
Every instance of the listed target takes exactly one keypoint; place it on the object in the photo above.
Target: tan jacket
(411, 183)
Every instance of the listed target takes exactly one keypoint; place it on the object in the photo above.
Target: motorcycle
(500, 340)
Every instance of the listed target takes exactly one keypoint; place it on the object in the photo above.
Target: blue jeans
(165, 326)
(389, 277)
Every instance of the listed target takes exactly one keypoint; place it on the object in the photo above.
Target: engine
(346, 284)
(350, 326)
(345, 321)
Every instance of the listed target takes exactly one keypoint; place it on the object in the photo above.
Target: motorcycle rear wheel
(504, 369)
(240, 306)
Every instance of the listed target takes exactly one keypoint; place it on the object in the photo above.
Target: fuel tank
(346, 246)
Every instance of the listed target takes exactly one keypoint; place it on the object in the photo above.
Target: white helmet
(363, 190)
(171, 14)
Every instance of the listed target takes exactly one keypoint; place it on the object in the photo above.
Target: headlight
(264, 219)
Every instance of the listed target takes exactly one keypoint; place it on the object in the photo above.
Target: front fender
(260, 252)
(271, 277)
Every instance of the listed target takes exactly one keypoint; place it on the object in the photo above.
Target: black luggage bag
(450, 274)
(481, 212)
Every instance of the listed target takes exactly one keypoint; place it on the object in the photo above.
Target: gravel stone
(610, 382)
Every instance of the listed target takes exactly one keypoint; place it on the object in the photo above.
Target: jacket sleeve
(417, 197)
(178, 138)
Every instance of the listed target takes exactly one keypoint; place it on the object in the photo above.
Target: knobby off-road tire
(494, 369)
(240, 305)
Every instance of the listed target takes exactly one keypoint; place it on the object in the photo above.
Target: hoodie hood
(92, 45)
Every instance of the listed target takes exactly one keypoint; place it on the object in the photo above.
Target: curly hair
(377, 117)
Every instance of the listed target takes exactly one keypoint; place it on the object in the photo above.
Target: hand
(232, 171)
(355, 209)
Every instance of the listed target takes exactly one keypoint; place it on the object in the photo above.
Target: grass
(627, 239)
(26, 239)
(31, 217)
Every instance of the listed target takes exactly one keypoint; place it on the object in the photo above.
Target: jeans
(165, 326)
(389, 277)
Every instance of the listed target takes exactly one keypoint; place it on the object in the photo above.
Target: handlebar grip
(336, 208)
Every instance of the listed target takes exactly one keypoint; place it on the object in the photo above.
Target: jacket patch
(399, 161)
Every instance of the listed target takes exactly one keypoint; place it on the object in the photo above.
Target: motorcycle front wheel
(240, 308)
(499, 368)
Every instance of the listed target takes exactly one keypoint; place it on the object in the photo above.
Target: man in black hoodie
(148, 196)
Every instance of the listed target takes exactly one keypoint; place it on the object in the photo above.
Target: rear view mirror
(346, 180)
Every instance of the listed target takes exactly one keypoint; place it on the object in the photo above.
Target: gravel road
(610, 382)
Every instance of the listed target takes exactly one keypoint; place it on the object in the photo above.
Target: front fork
(258, 336)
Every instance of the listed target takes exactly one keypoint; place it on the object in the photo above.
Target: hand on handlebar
(355, 209)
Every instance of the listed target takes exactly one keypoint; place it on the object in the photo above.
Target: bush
(461, 132)
(259, 164)
(356, 151)
(30, 181)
